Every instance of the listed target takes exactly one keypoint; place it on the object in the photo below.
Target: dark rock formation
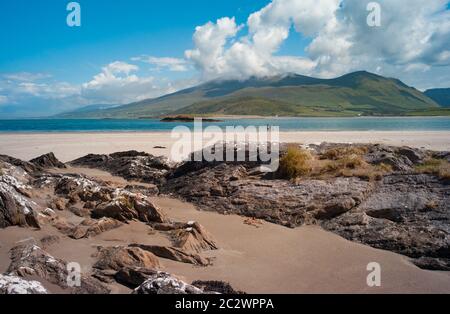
(30, 260)
(47, 161)
(133, 277)
(216, 287)
(116, 258)
(174, 254)
(130, 165)
(164, 283)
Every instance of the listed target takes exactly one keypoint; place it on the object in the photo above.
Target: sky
(127, 51)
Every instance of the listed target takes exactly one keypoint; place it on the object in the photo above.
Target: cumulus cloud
(413, 37)
(164, 63)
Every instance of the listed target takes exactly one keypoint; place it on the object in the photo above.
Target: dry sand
(69, 146)
(268, 259)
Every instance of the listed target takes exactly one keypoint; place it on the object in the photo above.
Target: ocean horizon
(285, 124)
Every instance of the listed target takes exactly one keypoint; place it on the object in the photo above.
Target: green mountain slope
(359, 93)
(440, 96)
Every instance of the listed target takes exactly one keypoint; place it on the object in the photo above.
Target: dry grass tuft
(296, 163)
(437, 167)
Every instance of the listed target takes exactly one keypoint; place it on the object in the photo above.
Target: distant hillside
(359, 93)
(87, 110)
(440, 96)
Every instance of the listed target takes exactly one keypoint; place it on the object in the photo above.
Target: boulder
(216, 287)
(116, 258)
(17, 285)
(164, 283)
(30, 260)
(128, 207)
(133, 277)
(174, 254)
(48, 161)
(91, 227)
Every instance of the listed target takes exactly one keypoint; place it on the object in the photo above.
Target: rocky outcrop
(116, 258)
(174, 254)
(133, 277)
(230, 189)
(16, 209)
(129, 206)
(17, 285)
(30, 260)
(189, 237)
(26, 166)
(164, 283)
(216, 287)
(91, 228)
(47, 161)
(407, 214)
(130, 165)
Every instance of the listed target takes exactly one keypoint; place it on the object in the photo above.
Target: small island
(186, 119)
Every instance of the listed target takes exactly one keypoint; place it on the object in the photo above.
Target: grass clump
(295, 163)
(437, 167)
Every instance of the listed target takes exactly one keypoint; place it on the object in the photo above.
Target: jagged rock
(15, 208)
(278, 201)
(133, 277)
(194, 238)
(130, 165)
(16, 285)
(116, 258)
(91, 228)
(174, 254)
(164, 283)
(216, 287)
(80, 212)
(26, 166)
(147, 190)
(407, 214)
(79, 188)
(30, 260)
(48, 161)
(130, 206)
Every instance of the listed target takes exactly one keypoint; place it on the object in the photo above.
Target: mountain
(86, 110)
(440, 96)
(358, 93)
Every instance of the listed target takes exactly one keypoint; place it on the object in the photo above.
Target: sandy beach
(69, 146)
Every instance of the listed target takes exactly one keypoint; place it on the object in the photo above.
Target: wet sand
(69, 146)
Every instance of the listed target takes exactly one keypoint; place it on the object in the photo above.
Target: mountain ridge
(353, 94)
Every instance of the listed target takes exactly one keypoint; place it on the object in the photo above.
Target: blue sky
(131, 50)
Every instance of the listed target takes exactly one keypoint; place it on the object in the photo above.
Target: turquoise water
(285, 124)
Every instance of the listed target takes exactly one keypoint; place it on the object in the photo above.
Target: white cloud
(26, 76)
(413, 38)
(162, 63)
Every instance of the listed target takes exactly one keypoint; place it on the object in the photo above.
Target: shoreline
(70, 146)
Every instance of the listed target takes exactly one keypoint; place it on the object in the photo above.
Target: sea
(285, 124)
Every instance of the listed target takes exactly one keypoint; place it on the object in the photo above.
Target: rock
(30, 260)
(194, 238)
(174, 254)
(16, 209)
(277, 201)
(130, 165)
(48, 161)
(128, 207)
(80, 212)
(91, 228)
(335, 208)
(147, 190)
(164, 283)
(133, 277)
(116, 258)
(16, 285)
(27, 166)
(216, 287)
(398, 217)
